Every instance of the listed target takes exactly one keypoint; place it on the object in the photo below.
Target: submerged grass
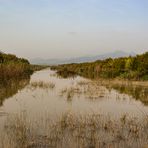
(75, 131)
(42, 84)
(89, 90)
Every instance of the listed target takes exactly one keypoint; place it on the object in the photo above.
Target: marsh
(51, 111)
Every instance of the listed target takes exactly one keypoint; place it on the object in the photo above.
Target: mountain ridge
(54, 61)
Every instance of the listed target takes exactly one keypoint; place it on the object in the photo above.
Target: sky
(72, 28)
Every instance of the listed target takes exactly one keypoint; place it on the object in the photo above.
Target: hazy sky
(71, 28)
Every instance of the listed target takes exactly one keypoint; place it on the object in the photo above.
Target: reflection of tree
(137, 92)
(66, 74)
(11, 87)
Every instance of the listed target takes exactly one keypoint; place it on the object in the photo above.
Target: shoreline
(123, 82)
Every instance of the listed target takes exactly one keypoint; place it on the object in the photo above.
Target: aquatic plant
(90, 90)
(42, 84)
(72, 130)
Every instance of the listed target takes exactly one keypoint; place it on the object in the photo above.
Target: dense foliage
(135, 68)
(13, 67)
(14, 74)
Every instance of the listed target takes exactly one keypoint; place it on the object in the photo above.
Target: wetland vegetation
(131, 68)
(65, 110)
(12, 67)
(42, 84)
(72, 131)
(14, 74)
(12, 87)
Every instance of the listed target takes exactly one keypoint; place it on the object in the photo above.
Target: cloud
(72, 33)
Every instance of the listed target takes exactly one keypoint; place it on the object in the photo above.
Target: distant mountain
(115, 54)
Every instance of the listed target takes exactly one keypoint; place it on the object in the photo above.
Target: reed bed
(89, 90)
(70, 92)
(83, 82)
(42, 84)
(75, 131)
(13, 71)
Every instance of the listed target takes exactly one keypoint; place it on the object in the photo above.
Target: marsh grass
(138, 92)
(21, 129)
(6, 141)
(83, 82)
(42, 84)
(14, 71)
(74, 131)
(71, 92)
(90, 90)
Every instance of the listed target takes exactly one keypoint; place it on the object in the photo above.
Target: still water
(38, 100)
(47, 110)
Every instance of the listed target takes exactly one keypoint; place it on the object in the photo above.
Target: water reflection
(66, 74)
(137, 92)
(11, 87)
(49, 93)
(75, 111)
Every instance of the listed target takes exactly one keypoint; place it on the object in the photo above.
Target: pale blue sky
(70, 28)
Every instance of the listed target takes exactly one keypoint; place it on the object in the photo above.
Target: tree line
(133, 68)
(13, 67)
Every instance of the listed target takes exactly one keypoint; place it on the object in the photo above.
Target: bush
(13, 67)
